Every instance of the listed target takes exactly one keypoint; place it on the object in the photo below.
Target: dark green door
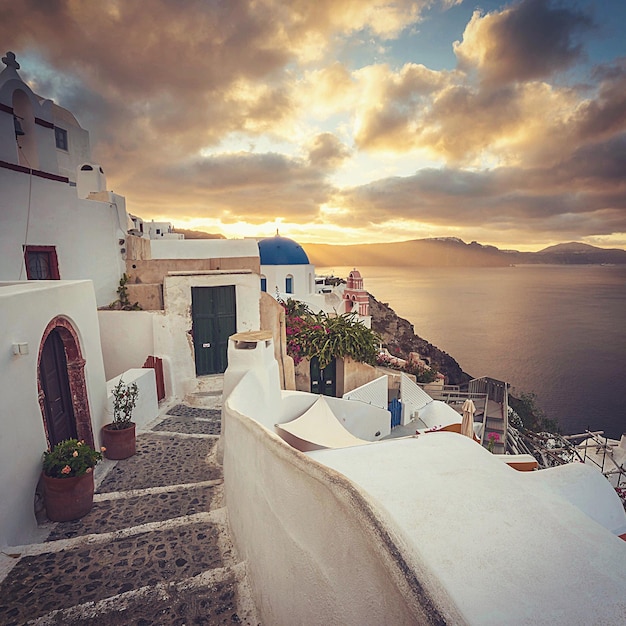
(214, 318)
(323, 381)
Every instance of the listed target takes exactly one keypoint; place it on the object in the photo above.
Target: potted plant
(68, 479)
(118, 437)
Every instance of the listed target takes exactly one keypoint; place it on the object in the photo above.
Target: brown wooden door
(58, 408)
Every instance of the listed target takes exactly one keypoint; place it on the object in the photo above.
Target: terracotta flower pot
(119, 444)
(68, 498)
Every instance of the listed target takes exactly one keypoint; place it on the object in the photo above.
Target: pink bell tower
(355, 297)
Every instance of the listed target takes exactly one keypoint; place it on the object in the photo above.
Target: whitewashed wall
(127, 339)
(315, 548)
(147, 407)
(25, 311)
(38, 211)
(303, 279)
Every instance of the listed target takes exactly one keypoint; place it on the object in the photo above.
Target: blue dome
(281, 251)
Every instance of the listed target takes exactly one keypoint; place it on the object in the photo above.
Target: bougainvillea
(327, 337)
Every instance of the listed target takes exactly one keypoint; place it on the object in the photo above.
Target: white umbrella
(467, 425)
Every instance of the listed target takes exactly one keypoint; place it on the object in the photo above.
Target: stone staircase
(155, 548)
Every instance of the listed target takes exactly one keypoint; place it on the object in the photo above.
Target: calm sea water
(556, 331)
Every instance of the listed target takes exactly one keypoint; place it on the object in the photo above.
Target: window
(289, 284)
(60, 136)
(41, 263)
(263, 283)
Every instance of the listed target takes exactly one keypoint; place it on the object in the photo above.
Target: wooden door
(214, 315)
(58, 409)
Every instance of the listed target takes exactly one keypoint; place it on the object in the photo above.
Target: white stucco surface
(436, 413)
(127, 339)
(319, 427)
(147, 407)
(25, 311)
(507, 550)
(85, 233)
(588, 490)
(315, 552)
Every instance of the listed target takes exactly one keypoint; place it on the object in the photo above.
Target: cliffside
(399, 336)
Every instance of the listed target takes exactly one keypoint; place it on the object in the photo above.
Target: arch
(28, 155)
(76, 377)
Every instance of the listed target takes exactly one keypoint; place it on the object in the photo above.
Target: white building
(287, 273)
(57, 220)
(162, 230)
(52, 385)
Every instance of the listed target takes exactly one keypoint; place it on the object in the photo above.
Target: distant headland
(453, 252)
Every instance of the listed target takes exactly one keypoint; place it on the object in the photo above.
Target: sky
(346, 121)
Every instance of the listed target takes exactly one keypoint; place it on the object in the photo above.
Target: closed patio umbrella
(467, 425)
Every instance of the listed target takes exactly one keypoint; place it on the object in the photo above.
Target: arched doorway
(57, 400)
(62, 386)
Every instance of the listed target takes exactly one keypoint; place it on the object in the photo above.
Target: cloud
(252, 110)
(582, 195)
(241, 186)
(327, 152)
(529, 40)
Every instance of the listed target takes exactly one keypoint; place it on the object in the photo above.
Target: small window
(41, 263)
(84, 168)
(289, 284)
(263, 283)
(60, 136)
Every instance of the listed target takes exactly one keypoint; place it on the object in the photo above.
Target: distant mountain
(454, 252)
(580, 253)
(197, 234)
(416, 253)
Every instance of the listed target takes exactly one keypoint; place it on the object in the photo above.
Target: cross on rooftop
(9, 61)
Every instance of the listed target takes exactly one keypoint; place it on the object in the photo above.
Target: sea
(556, 331)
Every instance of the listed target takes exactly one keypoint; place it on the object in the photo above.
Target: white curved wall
(317, 552)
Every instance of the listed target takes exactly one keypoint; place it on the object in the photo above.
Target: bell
(18, 127)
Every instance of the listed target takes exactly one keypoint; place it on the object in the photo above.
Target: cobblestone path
(154, 549)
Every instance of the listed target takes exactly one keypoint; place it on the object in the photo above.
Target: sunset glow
(344, 121)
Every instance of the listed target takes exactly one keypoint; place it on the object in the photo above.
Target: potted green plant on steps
(68, 479)
(118, 437)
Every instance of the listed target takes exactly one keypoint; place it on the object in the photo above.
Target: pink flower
(66, 470)
(103, 449)
(75, 453)
(88, 470)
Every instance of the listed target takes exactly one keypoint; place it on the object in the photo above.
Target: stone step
(89, 570)
(164, 459)
(155, 548)
(115, 511)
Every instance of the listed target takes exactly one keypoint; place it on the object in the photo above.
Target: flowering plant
(493, 438)
(70, 458)
(124, 402)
